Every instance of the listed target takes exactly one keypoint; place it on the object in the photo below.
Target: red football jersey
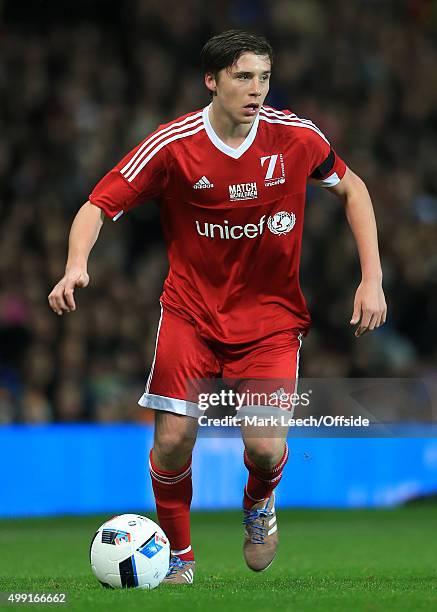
(232, 218)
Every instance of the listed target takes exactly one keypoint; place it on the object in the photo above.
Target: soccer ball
(130, 551)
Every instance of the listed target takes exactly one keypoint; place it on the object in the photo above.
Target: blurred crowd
(79, 90)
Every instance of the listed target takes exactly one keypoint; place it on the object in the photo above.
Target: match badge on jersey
(275, 174)
(243, 191)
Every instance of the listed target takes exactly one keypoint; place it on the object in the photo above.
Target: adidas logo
(203, 183)
(188, 575)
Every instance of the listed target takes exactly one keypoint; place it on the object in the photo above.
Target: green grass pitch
(327, 561)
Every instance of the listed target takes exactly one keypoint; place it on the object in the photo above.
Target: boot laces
(175, 565)
(256, 524)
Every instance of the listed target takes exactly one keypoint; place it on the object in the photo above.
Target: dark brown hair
(223, 50)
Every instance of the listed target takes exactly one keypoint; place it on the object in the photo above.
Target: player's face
(241, 89)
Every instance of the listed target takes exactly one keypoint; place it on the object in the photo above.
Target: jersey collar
(223, 147)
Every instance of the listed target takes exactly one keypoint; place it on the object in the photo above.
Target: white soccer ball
(130, 551)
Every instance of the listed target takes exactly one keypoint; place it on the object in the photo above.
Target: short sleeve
(325, 165)
(140, 176)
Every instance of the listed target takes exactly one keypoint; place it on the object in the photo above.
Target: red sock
(261, 482)
(173, 492)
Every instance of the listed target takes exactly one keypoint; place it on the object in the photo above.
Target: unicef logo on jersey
(281, 222)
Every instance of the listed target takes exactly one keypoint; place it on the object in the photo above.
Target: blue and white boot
(260, 535)
(179, 572)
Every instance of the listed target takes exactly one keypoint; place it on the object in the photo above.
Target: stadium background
(80, 84)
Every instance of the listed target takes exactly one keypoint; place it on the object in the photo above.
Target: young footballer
(231, 181)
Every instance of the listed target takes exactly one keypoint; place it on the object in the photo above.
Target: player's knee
(265, 453)
(172, 450)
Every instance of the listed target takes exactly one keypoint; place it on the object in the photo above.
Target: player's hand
(370, 309)
(61, 299)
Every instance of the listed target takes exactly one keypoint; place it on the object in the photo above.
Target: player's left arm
(370, 309)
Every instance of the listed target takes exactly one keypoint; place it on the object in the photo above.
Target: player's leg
(269, 367)
(170, 470)
(180, 356)
(265, 456)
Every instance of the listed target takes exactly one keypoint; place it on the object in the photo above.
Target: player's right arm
(84, 232)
